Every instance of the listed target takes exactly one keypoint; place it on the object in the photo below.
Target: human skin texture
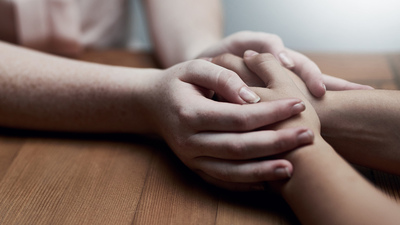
(43, 92)
(323, 189)
(183, 30)
(362, 125)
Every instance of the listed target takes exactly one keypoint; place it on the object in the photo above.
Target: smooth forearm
(39, 91)
(181, 30)
(324, 189)
(363, 126)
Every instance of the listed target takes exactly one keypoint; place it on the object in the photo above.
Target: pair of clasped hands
(219, 127)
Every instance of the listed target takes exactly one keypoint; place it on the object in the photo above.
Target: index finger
(221, 80)
(309, 72)
(223, 116)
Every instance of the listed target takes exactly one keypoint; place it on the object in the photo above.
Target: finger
(221, 116)
(309, 73)
(267, 68)
(245, 171)
(223, 81)
(338, 84)
(236, 64)
(245, 146)
(263, 43)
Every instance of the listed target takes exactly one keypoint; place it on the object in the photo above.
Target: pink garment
(67, 26)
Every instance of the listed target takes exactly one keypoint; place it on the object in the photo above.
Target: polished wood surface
(61, 178)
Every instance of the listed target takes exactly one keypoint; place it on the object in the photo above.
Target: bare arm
(363, 126)
(323, 188)
(40, 91)
(44, 92)
(182, 29)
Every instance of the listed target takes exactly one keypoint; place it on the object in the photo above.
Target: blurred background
(338, 26)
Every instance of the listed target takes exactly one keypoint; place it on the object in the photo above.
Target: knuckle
(241, 121)
(280, 111)
(279, 145)
(180, 143)
(194, 65)
(223, 174)
(266, 57)
(222, 59)
(186, 116)
(275, 38)
(258, 172)
(272, 43)
(224, 77)
(238, 149)
(245, 33)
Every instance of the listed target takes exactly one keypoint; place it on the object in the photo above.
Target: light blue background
(308, 25)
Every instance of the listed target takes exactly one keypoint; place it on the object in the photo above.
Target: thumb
(266, 67)
(222, 81)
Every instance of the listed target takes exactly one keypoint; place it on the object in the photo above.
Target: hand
(306, 69)
(238, 65)
(280, 85)
(220, 140)
(277, 82)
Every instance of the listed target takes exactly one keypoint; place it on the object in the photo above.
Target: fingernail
(250, 53)
(305, 137)
(323, 85)
(248, 95)
(207, 58)
(282, 172)
(298, 108)
(286, 61)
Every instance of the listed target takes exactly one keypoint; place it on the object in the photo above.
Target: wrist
(136, 90)
(331, 111)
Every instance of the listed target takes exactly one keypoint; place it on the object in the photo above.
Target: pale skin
(323, 189)
(362, 125)
(45, 92)
(200, 28)
(67, 95)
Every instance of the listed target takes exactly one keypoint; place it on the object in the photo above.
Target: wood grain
(48, 178)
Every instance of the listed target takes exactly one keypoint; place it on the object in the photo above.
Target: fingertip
(286, 60)
(283, 171)
(355, 86)
(298, 108)
(319, 90)
(209, 59)
(248, 95)
(249, 53)
(305, 137)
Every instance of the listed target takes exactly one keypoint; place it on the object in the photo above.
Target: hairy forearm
(181, 29)
(44, 92)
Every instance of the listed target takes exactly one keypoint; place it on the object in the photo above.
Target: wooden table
(58, 178)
